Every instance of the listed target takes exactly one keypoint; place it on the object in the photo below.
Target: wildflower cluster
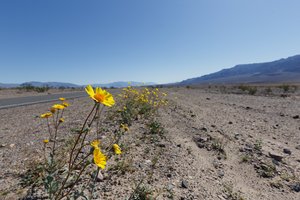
(153, 97)
(140, 102)
(78, 158)
(55, 113)
(62, 171)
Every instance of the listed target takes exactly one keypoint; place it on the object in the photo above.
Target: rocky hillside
(283, 70)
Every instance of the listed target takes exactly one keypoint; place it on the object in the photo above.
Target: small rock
(162, 145)
(2, 145)
(100, 177)
(237, 136)
(12, 145)
(296, 187)
(221, 173)
(296, 117)
(184, 184)
(281, 114)
(287, 151)
(276, 156)
(147, 161)
(170, 187)
(203, 129)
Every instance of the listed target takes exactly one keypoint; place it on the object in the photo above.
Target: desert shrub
(258, 145)
(268, 90)
(41, 89)
(26, 87)
(243, 87)
(252, 90)
(219, 146)
(155, 127)
(285, 87)
(141, 192)
(266, 170)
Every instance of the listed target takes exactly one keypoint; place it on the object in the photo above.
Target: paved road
(22, 101)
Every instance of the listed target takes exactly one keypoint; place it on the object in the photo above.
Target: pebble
(276, 156)
(2, 145)
(296, 117)
(287, 151)
(221, 173)
(296, 187)
(237, 136)
(184, 184)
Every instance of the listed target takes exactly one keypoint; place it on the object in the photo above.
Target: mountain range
(71, 85)
(279, 71)
(283, 70)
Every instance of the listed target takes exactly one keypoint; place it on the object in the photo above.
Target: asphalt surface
(23, 101)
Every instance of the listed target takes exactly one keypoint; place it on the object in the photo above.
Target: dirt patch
(214, 146)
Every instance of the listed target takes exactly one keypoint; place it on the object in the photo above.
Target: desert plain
(217, 143)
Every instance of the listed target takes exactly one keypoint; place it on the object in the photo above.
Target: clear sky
(161, 41)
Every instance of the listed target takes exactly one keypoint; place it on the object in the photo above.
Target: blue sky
(160, 41)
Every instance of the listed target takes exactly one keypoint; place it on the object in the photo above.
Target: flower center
(99, 97)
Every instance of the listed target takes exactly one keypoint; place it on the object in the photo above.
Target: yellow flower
(100, 96)
(65, 104)
(58, 106)
(52, 110)
(46, 115)
(99, 158)
(62, 99)
(117, 149)
(61, 120)
(45, 141)
(95, 144)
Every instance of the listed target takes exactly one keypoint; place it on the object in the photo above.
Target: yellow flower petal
(62, 99)
(46, 115)
(117, 149)
(99, 158)
(89, 89)
(100, 96)
(61, 120)
(95, 144)
(58, 106)
(65, 104)
(45, 141)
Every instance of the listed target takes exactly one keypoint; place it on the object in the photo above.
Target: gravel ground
(215, 146)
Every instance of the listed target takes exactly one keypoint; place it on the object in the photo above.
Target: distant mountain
(283, 70)
(71, 85)
(9, 85)
(50, 84)
(120, 84)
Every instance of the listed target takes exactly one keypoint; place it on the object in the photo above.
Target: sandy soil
(215, 146)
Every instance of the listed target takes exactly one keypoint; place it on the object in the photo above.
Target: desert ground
(215, 144)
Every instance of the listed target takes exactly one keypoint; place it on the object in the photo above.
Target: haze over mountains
(71, 85)
(283, 70)
(280, 71)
